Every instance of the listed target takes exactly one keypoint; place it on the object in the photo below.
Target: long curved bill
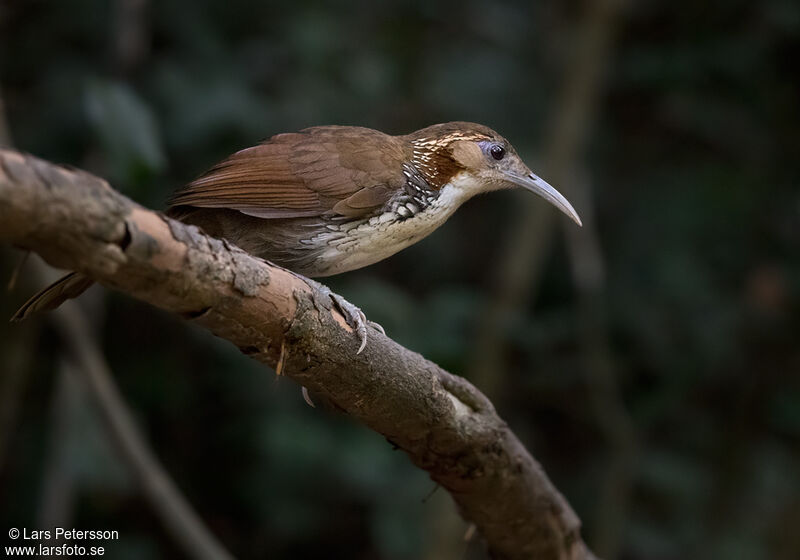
(539, 186)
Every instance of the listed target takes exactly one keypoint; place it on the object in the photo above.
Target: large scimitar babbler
(330, 199)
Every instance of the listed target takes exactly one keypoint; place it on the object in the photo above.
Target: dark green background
(691, 153)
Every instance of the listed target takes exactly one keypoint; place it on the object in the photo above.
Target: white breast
(382, 236)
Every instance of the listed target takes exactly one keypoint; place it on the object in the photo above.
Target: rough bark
(446, 426)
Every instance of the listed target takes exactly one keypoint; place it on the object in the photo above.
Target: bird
(332, 199)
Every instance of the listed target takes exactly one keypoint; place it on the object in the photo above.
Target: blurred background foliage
(674, 432)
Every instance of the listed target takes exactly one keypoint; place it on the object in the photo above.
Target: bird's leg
(352, 314)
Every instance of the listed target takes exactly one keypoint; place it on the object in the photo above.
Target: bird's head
(475, 158)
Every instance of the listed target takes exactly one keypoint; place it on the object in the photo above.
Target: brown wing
(344, 170)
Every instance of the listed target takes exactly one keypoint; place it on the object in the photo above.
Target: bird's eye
(498, 152)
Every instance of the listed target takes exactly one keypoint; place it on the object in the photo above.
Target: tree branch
(75, 220)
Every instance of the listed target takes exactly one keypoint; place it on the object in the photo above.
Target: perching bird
(330, 199)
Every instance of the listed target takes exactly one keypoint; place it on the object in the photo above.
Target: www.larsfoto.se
(60, 550)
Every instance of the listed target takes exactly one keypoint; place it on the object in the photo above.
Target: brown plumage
(303, 174)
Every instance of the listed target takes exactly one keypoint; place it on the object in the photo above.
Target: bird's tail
(67, 287)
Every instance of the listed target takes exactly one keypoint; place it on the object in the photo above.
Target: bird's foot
(352, 315)
(356, 319)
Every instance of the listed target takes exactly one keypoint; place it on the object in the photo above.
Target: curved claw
(307, 398)
(352, 314)
(361, 329)
(354, 317)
